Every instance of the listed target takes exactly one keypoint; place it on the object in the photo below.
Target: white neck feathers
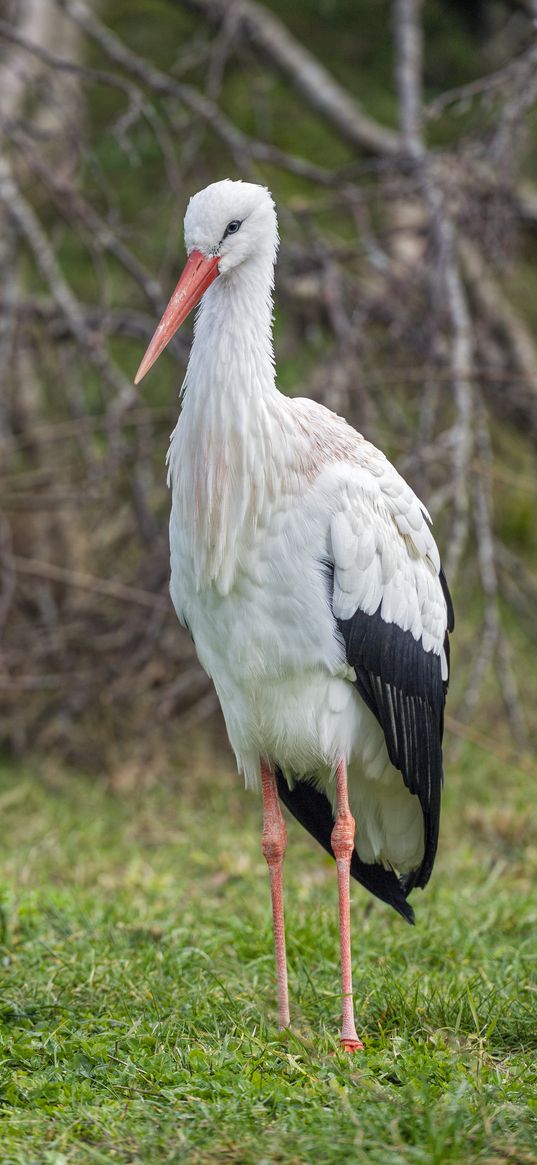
(233, 440)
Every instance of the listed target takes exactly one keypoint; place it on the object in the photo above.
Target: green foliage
(137, 1017)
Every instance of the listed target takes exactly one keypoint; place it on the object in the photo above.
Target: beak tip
(141, 372)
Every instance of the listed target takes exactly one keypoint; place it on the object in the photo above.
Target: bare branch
(70, 201)
(395, 312)
(87, 582)
(503, 319)
(242, 148)
(305, 72)
(62, 65)
(28, 225)
(408, 74)
(409, 40)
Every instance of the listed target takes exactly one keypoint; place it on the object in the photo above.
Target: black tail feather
(314, 811)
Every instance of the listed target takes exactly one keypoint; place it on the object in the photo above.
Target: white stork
(304, 567)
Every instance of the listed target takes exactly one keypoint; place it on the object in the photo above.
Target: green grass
(138, 997)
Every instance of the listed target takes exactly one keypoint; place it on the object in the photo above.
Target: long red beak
(197, 276)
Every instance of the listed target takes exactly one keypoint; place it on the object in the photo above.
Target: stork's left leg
(343, 845)
(274, 847)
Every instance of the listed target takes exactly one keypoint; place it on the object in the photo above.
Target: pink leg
(343, 844)
(274, 846)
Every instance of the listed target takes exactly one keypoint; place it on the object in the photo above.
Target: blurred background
(398, 139)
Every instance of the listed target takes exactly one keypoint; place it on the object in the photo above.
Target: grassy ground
(138, 998)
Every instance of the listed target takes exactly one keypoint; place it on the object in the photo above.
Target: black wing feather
(402, 685)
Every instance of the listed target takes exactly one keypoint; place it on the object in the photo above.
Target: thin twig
(242, 148)
(492, 746)
(409, 42)
(306, 73)
(88, 582)
(27, 223)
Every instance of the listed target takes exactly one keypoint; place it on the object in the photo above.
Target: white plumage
(293, 539)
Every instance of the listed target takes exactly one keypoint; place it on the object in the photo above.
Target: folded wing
(393, 608)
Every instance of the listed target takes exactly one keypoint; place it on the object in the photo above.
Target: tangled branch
(397, 312)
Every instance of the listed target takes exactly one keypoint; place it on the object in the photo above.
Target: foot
(351, 1045)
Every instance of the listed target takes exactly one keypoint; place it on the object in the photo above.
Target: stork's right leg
(343, 846)
(274, 846)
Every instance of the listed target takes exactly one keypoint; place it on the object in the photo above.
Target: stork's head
(227, 225)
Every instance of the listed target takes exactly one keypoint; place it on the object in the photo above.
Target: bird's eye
(232, 227)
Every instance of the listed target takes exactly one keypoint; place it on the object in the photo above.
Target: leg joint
(274, 840)
(342, 838)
